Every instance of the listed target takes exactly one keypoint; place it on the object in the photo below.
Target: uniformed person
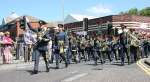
(115, 47)
(68, 53)
(145, 47)
(108, 48)
(41, 49)
(88, 49)
(79, 48)
(123, 43)
(74, 49)
(60, 43)
(82, 49)
(134, 48)
(103, 48)
(91, 51)
(97, 45)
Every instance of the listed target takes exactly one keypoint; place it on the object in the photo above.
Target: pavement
(14, 60)
(16, 64)
(82, 72)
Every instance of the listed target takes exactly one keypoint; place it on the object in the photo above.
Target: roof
(10, 19)
(54, 23)
(80, 17)
(31, 18)
(76, 17)
(51, 24)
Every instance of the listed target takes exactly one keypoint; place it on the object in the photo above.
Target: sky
(52, 10)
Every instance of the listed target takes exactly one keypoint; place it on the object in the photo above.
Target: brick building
(12, 24)
(140, 23)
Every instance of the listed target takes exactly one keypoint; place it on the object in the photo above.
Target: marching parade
(57, 46)
(75, 41)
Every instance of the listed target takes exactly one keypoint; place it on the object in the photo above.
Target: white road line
(73, 72)
(22, 67)
(75, 77)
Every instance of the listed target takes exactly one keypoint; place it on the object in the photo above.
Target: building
(11, 23)
(140, 23)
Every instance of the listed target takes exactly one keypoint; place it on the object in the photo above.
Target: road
(83, 72)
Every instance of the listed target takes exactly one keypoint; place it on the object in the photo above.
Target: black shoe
(122, 64)
(50, 62)
(35, 72)
(128, 63)
(47, 69)
(57, 68)
(95, 64)
(66, 65)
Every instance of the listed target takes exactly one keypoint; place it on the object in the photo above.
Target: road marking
(22, 67)
(73, 72)
(144, 66)
(75, 77)
(147, 70)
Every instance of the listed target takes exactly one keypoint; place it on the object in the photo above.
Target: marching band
(59, 45)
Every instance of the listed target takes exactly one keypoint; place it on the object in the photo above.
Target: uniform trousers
(38, 53)
(57, 56)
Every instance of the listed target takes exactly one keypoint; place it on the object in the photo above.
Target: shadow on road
(116, 64)
(30, 71)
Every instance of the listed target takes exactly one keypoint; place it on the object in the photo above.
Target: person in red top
(7, 42)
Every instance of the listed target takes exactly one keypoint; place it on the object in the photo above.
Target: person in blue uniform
(60, 42)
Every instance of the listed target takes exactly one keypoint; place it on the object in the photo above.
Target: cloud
(99, 9)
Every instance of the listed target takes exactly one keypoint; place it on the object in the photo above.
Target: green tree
(145, 11)
(133, 11)
(121, 13)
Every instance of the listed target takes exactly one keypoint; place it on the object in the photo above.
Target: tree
(145, 11)
(121, 13)
(133, 11)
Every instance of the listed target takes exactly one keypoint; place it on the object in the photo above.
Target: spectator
(7, 41)
(1, 42)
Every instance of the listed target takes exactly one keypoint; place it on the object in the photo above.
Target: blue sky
(51, 10)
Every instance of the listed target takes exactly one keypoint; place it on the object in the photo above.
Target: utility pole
(62, 6)
(63, 15)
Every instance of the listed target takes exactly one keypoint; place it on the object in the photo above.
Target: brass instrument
(61, 46)
(42, 34)
(134, 40)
